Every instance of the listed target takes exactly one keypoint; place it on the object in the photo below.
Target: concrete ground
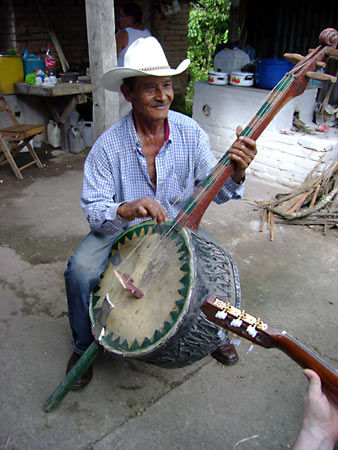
(290, 282)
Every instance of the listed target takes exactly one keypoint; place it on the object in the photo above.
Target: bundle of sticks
(313, 203)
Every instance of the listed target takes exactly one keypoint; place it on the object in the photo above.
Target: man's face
(151, 96)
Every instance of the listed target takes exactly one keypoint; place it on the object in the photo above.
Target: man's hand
(242, 153)
(144, 207)
(320, 423)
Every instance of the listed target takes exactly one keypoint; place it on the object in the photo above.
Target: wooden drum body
(175, 272)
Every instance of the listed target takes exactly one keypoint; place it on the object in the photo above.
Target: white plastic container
(37, 142)
(76, 141)
(53, 134)
(74, 118)
(230, 60)
(87, 132)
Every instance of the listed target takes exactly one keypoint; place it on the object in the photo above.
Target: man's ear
(126, 92)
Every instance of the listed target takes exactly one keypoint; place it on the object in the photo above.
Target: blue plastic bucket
(31, 63)
(270, 71)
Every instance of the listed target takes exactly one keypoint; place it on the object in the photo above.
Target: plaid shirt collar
(135, 137)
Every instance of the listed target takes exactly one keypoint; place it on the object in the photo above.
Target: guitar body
(174, 272)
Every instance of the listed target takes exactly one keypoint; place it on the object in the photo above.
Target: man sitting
(135, 170)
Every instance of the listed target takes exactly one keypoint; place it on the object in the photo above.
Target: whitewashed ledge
(282, 158)
(287, 160)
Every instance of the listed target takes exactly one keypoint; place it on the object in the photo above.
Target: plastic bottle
(54, 134)
(52, 78)
(50, 61)
(77, 144)
(86, 129)
(40, 76)
(47, 82)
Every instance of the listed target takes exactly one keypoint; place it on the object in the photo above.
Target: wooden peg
(293, 57)
(321, 76)
(333, 53)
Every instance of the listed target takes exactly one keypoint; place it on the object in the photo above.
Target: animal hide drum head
(156, 262)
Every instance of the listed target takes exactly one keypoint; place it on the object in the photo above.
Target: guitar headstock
(254, 329)
(239, 322)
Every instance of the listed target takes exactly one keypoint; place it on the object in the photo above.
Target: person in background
(320, 423)
(130, 29)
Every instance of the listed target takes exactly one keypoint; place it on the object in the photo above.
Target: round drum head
(148, 281)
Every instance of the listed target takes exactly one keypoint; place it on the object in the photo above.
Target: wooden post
(102, 56)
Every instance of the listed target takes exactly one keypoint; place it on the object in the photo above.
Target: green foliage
(208, 27)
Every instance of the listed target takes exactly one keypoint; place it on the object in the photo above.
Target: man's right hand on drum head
(145, 207)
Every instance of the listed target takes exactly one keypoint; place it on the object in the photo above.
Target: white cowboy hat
(144, 57)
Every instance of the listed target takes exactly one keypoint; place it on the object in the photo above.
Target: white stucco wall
(282, 158)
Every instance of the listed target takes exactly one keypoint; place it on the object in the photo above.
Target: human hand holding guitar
(320, 422)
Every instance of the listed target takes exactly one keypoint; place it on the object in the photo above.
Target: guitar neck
(254, 329)
(308, 360)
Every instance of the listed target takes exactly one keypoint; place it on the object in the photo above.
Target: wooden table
(60, 100)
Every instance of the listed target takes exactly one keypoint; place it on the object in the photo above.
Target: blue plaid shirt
(115, 171)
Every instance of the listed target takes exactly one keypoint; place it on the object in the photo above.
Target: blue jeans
(82, 275)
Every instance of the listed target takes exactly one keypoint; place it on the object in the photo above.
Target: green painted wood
(73, 376)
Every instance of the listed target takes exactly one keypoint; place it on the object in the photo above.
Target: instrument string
(275, 95)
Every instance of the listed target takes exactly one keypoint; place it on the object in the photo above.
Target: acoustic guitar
(238, 321)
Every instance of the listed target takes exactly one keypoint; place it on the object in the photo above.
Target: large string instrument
(147, 303)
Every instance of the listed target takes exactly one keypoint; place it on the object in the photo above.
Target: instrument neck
(192, 212)
(308, 360)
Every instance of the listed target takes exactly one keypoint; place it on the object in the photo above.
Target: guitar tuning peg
(251, 331)
(293, 57)
(236, 323)
(321, 76)
(221, 315)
